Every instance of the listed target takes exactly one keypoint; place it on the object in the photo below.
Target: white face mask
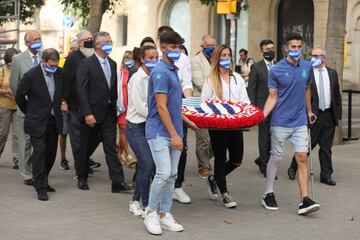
(87, 51)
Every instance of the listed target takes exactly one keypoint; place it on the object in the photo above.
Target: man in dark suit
(326, 105)
(85, 41)
(258, 92)
(40, 97)
(97, 94)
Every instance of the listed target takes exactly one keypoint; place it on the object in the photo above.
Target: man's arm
(197, 75)
(186, 83)
(252, 84)
(270, 102)
(311, 115)
(14, 75)
(21, 93)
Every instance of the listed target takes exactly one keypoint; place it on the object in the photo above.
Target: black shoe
(83, 185)
(50, 189)
(64, 164)
(261, 166)
(93, 164)
(16, 166)
(269, 202)
(29, 182)
(122, 188)
(292, 172)
(308, 206)
(328, 181)
(42, 195)
(212, 187)
(228, 201)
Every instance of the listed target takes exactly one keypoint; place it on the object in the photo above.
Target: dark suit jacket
(33, 99)
(92, 88)
(70, 70)
(334, 92)
(258, 89)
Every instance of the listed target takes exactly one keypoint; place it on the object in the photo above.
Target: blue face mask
(295, 54)
(208, 51)
(107, 47)
(316, 62)
(173, 55)
(225, 62)
(150, 64)
(50, 69)
(36, 46)
(129, 63)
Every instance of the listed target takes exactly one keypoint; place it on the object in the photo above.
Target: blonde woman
(224, 84)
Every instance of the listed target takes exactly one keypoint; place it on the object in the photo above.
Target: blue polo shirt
(164, 79)
(290, 81)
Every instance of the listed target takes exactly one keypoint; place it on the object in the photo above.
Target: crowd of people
(91, 97)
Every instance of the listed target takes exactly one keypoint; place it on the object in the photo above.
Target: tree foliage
(27, 10)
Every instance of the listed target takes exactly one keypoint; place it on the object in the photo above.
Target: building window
(122, 30)
(180, 20)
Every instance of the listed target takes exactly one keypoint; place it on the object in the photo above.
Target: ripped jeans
(166, 161)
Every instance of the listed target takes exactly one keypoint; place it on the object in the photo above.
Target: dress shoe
(42, 195)
(93, 164)
(261, 166)
(291, 173)
(16, 166)
(29, 182)
(50, 189)
(83, 185)
(328, 181)
(122, 188)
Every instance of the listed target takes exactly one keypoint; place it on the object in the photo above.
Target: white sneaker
(145, 212)
(152, 223)
(181, 196)
(135, 208)
(168, 222)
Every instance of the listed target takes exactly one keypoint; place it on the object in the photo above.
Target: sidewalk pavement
(98, 214)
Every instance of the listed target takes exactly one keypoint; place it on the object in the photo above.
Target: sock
(271, 170)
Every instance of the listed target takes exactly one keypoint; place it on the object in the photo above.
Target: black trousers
(264, 141)
(221, 142)
(107, 131)
(182, 161)
(322, 133)
(74, 123)
(43, 155)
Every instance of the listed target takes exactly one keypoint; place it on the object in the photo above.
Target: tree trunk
(335, 37)
(97, 9)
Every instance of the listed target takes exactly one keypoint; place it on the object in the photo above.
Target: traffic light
(228, 6)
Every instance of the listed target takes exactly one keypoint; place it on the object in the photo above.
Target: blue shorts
(298, 136)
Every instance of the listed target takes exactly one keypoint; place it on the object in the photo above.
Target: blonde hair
(214, 76)
(127, 54)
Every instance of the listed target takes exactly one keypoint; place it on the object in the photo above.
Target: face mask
(88, 44)
(107, 47)
(50, 69)
(225, 62)
(173, 55)
(87, 51)
(269, 56)
(294, 54)
(36, 46)
(150, 64)
(316, 62)
(208, 51)
(129, 63)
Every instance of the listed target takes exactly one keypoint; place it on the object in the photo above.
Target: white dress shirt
(137, 97)
(268, 63)
(235, 91)
(326, 81)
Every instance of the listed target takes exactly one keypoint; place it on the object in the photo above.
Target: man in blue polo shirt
(289, 100)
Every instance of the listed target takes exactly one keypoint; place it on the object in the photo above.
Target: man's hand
(312, 118)
(177, 142)
(64, 107)
(90, 120)
(192, 125)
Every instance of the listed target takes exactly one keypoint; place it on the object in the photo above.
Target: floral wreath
(222, 114)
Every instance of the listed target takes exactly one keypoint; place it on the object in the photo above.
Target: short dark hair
(146, 48)
(147, 40)
(182, 47)
(294, 36)
(50, 54)
(265, 42)
(8, 55)
(171, 38)
(244, 51)
(136, 55)
(163, 29)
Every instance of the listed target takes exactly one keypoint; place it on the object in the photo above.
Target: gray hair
(26, 36)
(207, 36)
(100, 34)
(80, 34)
(323, 50)
(74, 44)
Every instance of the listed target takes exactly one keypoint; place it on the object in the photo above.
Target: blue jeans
(135, 134)
(166, 161)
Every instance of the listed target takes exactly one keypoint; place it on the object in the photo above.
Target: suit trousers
(203, 149)
(264, 141)
(107, 131)
(8, 118)
(24, 149)
(44, 154)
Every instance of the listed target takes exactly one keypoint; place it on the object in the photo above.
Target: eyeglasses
(317, 56)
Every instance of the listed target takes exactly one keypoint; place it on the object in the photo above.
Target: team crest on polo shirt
(287, 74)
(304, 73)
(158, 76)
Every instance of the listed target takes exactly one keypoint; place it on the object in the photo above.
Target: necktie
(322, 104)
(107, 72)
(270, 65)
(35, 60)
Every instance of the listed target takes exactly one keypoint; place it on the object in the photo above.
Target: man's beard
(87, 51)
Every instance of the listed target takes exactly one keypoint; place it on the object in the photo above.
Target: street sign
(68, 22)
